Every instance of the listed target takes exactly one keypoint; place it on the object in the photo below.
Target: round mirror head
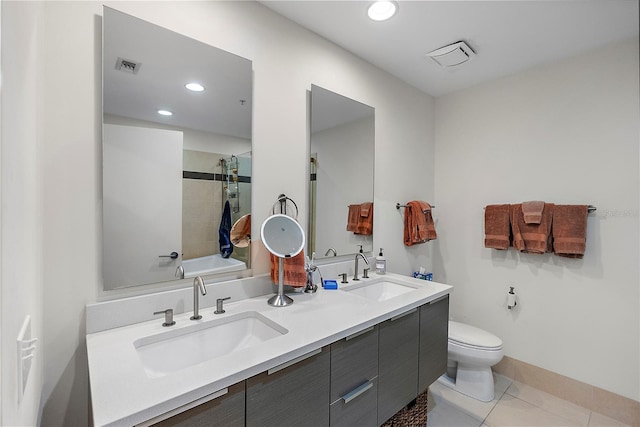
(282, 236)
(241, 232)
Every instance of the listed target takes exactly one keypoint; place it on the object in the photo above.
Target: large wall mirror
(341, 175)
(176, 157)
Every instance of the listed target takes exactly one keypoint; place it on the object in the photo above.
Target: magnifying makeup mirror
(284, 238)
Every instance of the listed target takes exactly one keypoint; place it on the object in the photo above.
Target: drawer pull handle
(438, 299)
(357, 334)
(357, 392)
(183, 408)
(406, 313)
(293, 361)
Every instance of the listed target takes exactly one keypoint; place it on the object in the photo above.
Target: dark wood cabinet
(354, 384)
(397, 363)
(224, 411)
(296, 395)
(434, 336)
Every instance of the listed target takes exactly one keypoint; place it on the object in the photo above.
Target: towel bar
(590, 208)
(398, 206)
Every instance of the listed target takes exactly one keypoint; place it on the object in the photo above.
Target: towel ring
(282, 201)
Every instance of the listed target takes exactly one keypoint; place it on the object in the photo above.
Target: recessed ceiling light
(165, 113)
(382, 10)
(194, 87)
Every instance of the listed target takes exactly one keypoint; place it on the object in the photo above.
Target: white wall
(21, 190)
(286, 61)
(565, 133)
(193, 139)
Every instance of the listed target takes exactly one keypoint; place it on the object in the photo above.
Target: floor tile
(444, 415)
(511, 412)
(550, 403)
(599, 420)
(472, 407)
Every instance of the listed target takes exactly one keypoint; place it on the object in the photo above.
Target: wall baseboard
(593, 398)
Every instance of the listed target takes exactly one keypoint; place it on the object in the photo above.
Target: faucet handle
(365, 273)
(168, 317)
(344, 277)
(219, 307)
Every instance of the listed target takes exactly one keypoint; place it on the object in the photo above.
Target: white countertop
(122, 394)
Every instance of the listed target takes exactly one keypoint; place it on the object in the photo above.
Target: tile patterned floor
(515, 404)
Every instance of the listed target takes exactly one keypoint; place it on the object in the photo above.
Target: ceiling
(167, 61)
(507, 36)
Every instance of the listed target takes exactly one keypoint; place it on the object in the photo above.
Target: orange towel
(497, 226)
(418, 223)
(532, 238)
(353, 218)
(532, 212)
(294, 272)
(570, 230)
(365, 219)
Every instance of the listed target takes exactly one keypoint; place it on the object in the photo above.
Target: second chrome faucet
(198, 288)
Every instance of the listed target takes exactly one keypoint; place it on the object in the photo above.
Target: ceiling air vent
(452, 55)
(128, 66)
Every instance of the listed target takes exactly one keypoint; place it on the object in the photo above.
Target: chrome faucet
(179, 274)
(198, 287)
(330, 250)
(366, 261)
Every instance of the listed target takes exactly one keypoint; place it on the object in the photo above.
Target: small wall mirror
(176, 151)
(341, 174)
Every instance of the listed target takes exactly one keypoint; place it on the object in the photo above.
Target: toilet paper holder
(511, 298)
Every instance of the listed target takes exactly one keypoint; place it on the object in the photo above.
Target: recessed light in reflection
(194, 87)
(165, 113)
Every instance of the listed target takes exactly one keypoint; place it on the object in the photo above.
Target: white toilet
(472, 353)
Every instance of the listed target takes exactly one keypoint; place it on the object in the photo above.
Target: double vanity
(350, 356)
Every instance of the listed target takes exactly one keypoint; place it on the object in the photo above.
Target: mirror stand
(280, 299)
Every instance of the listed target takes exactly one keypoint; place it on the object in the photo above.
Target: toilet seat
(473, 338)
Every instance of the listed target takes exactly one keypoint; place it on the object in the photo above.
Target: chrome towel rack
(398, 206)
(590, 208)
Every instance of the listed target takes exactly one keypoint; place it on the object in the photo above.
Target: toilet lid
(470, 335)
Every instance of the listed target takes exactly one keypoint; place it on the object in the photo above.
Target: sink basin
(379, 291)
(171, 351)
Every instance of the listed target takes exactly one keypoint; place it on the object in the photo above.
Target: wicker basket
(412, 415)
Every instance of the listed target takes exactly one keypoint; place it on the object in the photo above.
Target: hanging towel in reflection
(365, 221)
(226, 248)
(294, 272)
(418, 223)
(570, 230)
(360, 218)
(353, 218)
(532, 212)
(532, 238)
(497, 226)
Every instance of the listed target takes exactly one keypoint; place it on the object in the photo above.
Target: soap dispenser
(381, 263)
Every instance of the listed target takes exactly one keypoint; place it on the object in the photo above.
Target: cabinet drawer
(297, 395)
(398, 364)
(354, 361)
(357, 408)
(434, 331)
